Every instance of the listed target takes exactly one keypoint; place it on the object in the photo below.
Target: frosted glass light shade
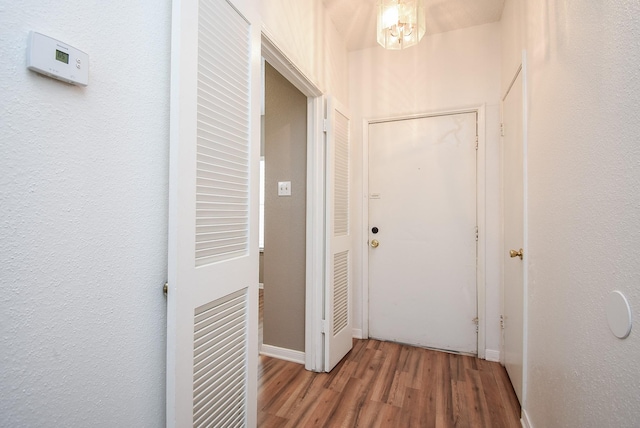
(401, 23)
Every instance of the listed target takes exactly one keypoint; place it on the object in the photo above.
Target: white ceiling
(356, 19)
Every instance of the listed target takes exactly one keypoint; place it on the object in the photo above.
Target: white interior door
(213, 199)
(422, 212)
(338, 330)
(513, 163)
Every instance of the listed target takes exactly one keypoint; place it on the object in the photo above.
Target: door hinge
(476, 321)
(324, 326)
(476, 233)
(501, 322)
(324, 125)
(502, 129)
(476, 142)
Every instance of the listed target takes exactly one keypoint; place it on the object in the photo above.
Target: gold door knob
(374, 243)
(514, 253)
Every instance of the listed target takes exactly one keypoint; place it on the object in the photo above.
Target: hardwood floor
(383, 384)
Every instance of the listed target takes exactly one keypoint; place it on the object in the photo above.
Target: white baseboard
(525, 421)
(357, 333)
(282, 353)
(492, 355)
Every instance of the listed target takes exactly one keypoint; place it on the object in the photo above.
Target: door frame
(480, 212)
(315, 211)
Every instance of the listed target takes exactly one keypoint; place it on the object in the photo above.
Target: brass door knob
(514, 253)
(375, 243)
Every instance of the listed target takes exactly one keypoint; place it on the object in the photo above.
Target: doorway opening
(313, 229)
(283, 255)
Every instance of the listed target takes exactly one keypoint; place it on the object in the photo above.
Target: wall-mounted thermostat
(55, 59)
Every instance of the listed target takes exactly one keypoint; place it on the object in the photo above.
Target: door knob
(514, 253)
(375, 243)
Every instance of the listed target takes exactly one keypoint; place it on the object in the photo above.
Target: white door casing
(513, 215)
(422, 198)
(338, 329)
(315, 236)
(213, 214)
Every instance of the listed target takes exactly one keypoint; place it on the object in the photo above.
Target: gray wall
(285, 216)
(83, 209)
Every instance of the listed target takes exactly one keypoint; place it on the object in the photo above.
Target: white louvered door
(338, 278)
(213, 248)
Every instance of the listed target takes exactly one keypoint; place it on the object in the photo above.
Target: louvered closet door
(213, 258)
(338, 320)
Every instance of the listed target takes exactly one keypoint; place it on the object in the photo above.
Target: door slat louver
(340, 291)
(222, 169)
(341, 184)
(219, 361)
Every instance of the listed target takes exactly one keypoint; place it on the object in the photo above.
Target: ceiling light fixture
(400, 23)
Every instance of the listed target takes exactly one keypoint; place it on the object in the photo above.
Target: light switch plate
(284, 188)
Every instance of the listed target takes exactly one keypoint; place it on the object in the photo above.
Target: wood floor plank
(459, 404)
(267, 420)
(430, 386)
(387, 417)
(493, 397)
(396, 392)
(382, 388)
(444, 404)
(478, 408)
(384, 384)
(365, 363)
(345, 416)
(418, 409)
(304, 393)
(413, 368)
(275, 393)
(369, 414)
(318, 412)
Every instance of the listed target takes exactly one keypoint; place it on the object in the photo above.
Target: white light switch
(284, 188)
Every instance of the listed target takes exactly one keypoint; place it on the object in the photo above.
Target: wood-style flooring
(383, 384)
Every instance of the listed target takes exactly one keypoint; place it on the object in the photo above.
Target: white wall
(83, 209)
(445, 71)
(303, 30)
(584, 210)
(83, 202)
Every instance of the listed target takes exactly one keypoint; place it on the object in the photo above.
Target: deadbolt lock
(374, 243)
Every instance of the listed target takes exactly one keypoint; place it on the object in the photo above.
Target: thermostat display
(62, 57)
(55, 59)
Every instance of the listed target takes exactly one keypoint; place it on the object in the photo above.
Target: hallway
(384, 384)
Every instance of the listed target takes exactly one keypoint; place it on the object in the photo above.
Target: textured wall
(445, 71)
(584, 211)
(83, 203)
(285, 216)
(303, 30)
